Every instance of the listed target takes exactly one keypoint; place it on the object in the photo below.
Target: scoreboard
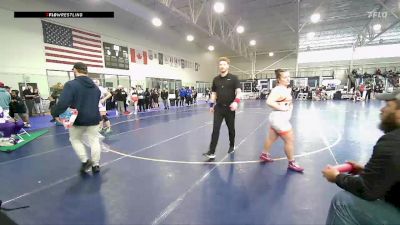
(115, 56)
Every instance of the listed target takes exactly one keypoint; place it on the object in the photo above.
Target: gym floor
(153, 171)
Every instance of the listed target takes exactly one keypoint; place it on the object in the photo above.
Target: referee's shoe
(209, 155)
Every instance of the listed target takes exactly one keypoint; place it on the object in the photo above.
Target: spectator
(146, 96)
(176, 97)
(57, 89)
(207, 94)
(110, 103)
(154, 98)
(17, 107)
(5, 99)
(29, 96)
(38, 102)
(182, 94)
(134, 100)
(141, 99)
(164, 97)
(188, 96)
(361, 88)
(120, 98)
(8, 89)
(368, 88)
(194, 96)
(372, 192)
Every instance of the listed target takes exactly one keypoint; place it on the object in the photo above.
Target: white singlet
(279, 120)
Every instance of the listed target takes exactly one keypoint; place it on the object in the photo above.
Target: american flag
(64, 45)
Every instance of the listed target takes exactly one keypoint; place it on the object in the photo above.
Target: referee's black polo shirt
(225, 88)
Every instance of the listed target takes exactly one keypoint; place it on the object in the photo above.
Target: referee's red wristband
(237, 100)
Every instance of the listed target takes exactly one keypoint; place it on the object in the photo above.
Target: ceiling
(274, 23)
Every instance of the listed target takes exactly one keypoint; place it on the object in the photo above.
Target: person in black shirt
(372, 193)
(120, 98)
(368, 88)
(29, 96)
(194, 95)
(17, 107)
(147, 98)
(223, 103)
(57, 89)
(164, 97)
(176, 97)
(141, 99)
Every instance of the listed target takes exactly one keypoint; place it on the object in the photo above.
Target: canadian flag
(138, 56)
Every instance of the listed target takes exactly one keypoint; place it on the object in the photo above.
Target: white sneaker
(209, 155)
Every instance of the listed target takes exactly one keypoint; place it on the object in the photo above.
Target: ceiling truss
(367, 34)
(217, 26)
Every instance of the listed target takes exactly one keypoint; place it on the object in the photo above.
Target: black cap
(395, 95)
(80, 66)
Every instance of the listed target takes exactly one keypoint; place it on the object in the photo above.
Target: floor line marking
(130, 155)
(130, 120)
(58, 149)
(124, 155)
(108, 148)
(324, 139)
(173, 205)
(227, 163)
(104, 164)
(115, 160)
(141, 128)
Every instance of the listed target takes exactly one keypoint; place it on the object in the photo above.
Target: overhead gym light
(189, 37)
(240, 29)
(271, 54)
(156, 21)
(377, 27)
(252, 42)
(315, 17)
(211, 48)
(219, 7)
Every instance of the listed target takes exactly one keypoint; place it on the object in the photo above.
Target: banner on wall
(160, 58)
(116, 56)
(196, 67)
(182, 63)
(138, 56)
(65, 45)
(150, 55)
(166, 59)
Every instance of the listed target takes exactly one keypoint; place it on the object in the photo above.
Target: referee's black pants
(222, 112)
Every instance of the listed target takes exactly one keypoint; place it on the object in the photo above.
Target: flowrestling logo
(395, 12)
(380, 15)
(63, 14)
